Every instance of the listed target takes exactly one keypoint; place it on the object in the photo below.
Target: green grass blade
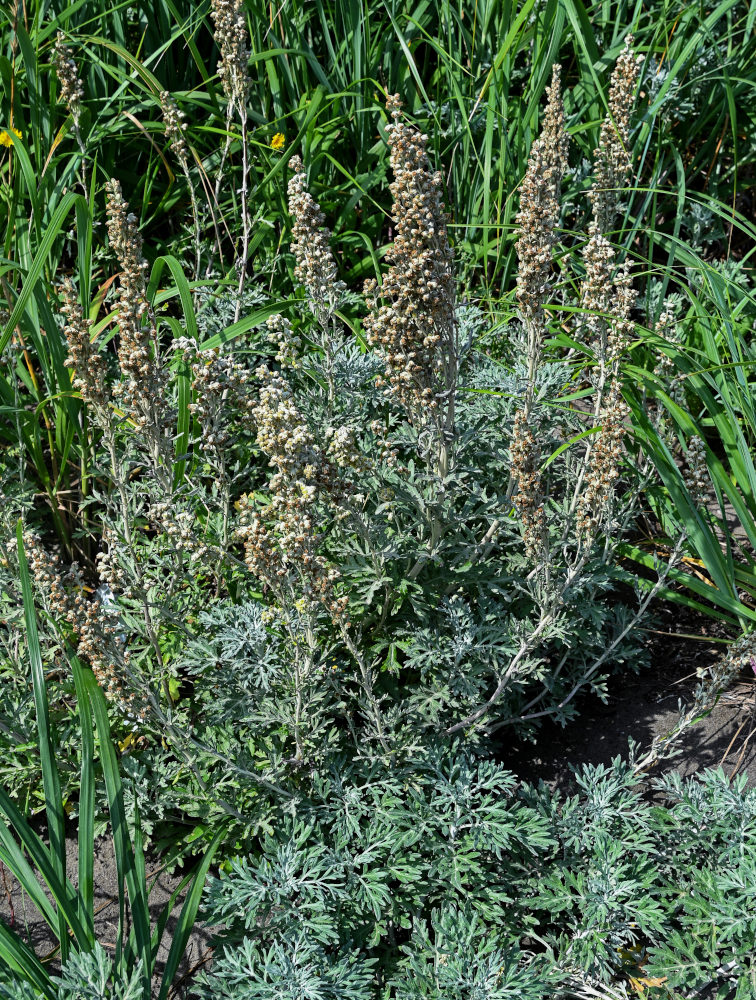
(56, 820)
(86, 802)
(188, 916)
(126, 863)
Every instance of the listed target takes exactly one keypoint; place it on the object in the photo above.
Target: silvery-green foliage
(354, 370)
(702, 226)
(216, 305)
(233, 639)
(453, 954)
(13, 989)
(295, 969)
(92, 976)
(455, 881)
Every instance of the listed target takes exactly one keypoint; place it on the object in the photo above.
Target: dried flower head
(315, 267)
(411, 320)
(231, 37)
(612, 157)
(83, 357)
(175, 126)
(71, 88)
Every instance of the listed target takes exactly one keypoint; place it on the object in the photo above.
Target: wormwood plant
(334, 563)
(404, 538)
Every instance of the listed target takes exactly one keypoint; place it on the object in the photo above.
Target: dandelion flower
(278, 141)
(5, 139)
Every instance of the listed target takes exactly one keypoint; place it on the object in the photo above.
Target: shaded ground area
(646, 706)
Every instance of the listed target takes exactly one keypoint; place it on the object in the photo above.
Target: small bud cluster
(71, 89)
(594, 505)
(539, 209)
(217, 381)
(665, 327)
(281, 538)
(288, 344)
(110, 568)
(342, 450)
(315, 267)
(666, 369)
(180, 527)
(411, 320)
(612, 157)
(88, 364)
(175, 126)
(141, 391)
(696, 471)
(527, 476)
(231, 37)
(96, 627)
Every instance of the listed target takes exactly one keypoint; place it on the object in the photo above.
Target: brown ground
(646, 706)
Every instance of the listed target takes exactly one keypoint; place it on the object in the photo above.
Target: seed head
(71, 88)
(411, 317)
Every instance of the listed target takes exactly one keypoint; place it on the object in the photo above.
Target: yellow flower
(5, 139)
(278, 141)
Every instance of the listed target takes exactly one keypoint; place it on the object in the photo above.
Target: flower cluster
(140, 391)
(5, 136)
(94, 622)
(539, 215)
(281, 538)
(315, 267)
(179, 526)
(175, 127)
(231, 37)
(411, 320)
(288, 344)
(696, 471)
(594, 504)
(217, 382)
(71, 89)
(612, 157)
(88, 364)
(527, 477)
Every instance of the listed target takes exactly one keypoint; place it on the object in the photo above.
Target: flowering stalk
(71, 90)
(537, 219)
(175, 127)
(607, 300)
(315, 268)
(140, 391)
(231, 37)
(411, 321)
